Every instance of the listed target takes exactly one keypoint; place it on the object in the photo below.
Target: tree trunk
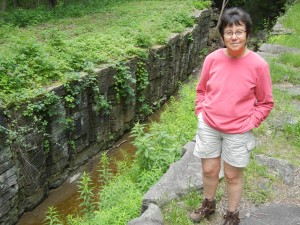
(3, 5)
(222, 10)
(53, 3)
(16, 3)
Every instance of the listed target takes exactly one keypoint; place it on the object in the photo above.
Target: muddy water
(66, 197)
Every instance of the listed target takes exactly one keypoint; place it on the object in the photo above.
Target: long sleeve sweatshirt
(234, 94)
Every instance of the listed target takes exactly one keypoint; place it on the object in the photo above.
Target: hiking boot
(231, 218)
(207, 208)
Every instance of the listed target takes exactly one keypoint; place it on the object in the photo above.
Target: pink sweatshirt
(234, 94)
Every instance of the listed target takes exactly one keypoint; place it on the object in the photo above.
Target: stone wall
(27, 172)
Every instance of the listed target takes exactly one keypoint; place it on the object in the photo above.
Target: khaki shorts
(234, 149)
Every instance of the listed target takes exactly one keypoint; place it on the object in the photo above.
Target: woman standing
(233, 96)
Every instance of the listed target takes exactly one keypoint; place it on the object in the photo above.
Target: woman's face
(235, 37)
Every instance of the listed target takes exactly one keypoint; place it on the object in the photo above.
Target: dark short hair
(235, 16)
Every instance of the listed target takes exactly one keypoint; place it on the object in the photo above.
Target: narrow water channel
(66, 197)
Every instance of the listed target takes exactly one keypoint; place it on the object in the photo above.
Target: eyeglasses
(238, 33)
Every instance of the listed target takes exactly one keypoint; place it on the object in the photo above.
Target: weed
(142, 81)
(52, 217)
(292, 132)
(176, 214)
(120, 201)
(105, 174)
(257, 183)
(86, 195)
(156, 149)
(281, 71)
(148, 177)
(123, 83)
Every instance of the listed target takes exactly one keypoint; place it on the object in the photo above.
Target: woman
(233, 96)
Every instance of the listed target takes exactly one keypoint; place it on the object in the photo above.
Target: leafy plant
(73, 89)
(201, 4)
(45, 106)
(105, 173)
(120, 202)
(148, 177)
(72, 220)
(143, 40)
(86, 195)
(142, 82)
(100, 100)
(52, 217)
(123, 83)
(156, 149)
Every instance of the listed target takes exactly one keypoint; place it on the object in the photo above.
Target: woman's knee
(211, 167)
(233, 175)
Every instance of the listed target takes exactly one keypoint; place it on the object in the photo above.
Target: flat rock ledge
(273, 50)
(273, 214)
(277, 49)
(279, 29)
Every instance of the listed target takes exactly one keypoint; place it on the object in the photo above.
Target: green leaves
(292, 132)
(105, 173)
(156, 149)
(52, 217)
(86, 195)
(201, 4)
(42, 53)
(123, 83)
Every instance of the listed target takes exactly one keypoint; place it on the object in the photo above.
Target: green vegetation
(56, 50)
(288, 20)
(136, 26)
(287, 66)
(120, 198)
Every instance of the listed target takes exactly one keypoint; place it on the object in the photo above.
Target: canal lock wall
(28, 172)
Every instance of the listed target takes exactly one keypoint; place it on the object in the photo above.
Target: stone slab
(277, 49)
(273, 214)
